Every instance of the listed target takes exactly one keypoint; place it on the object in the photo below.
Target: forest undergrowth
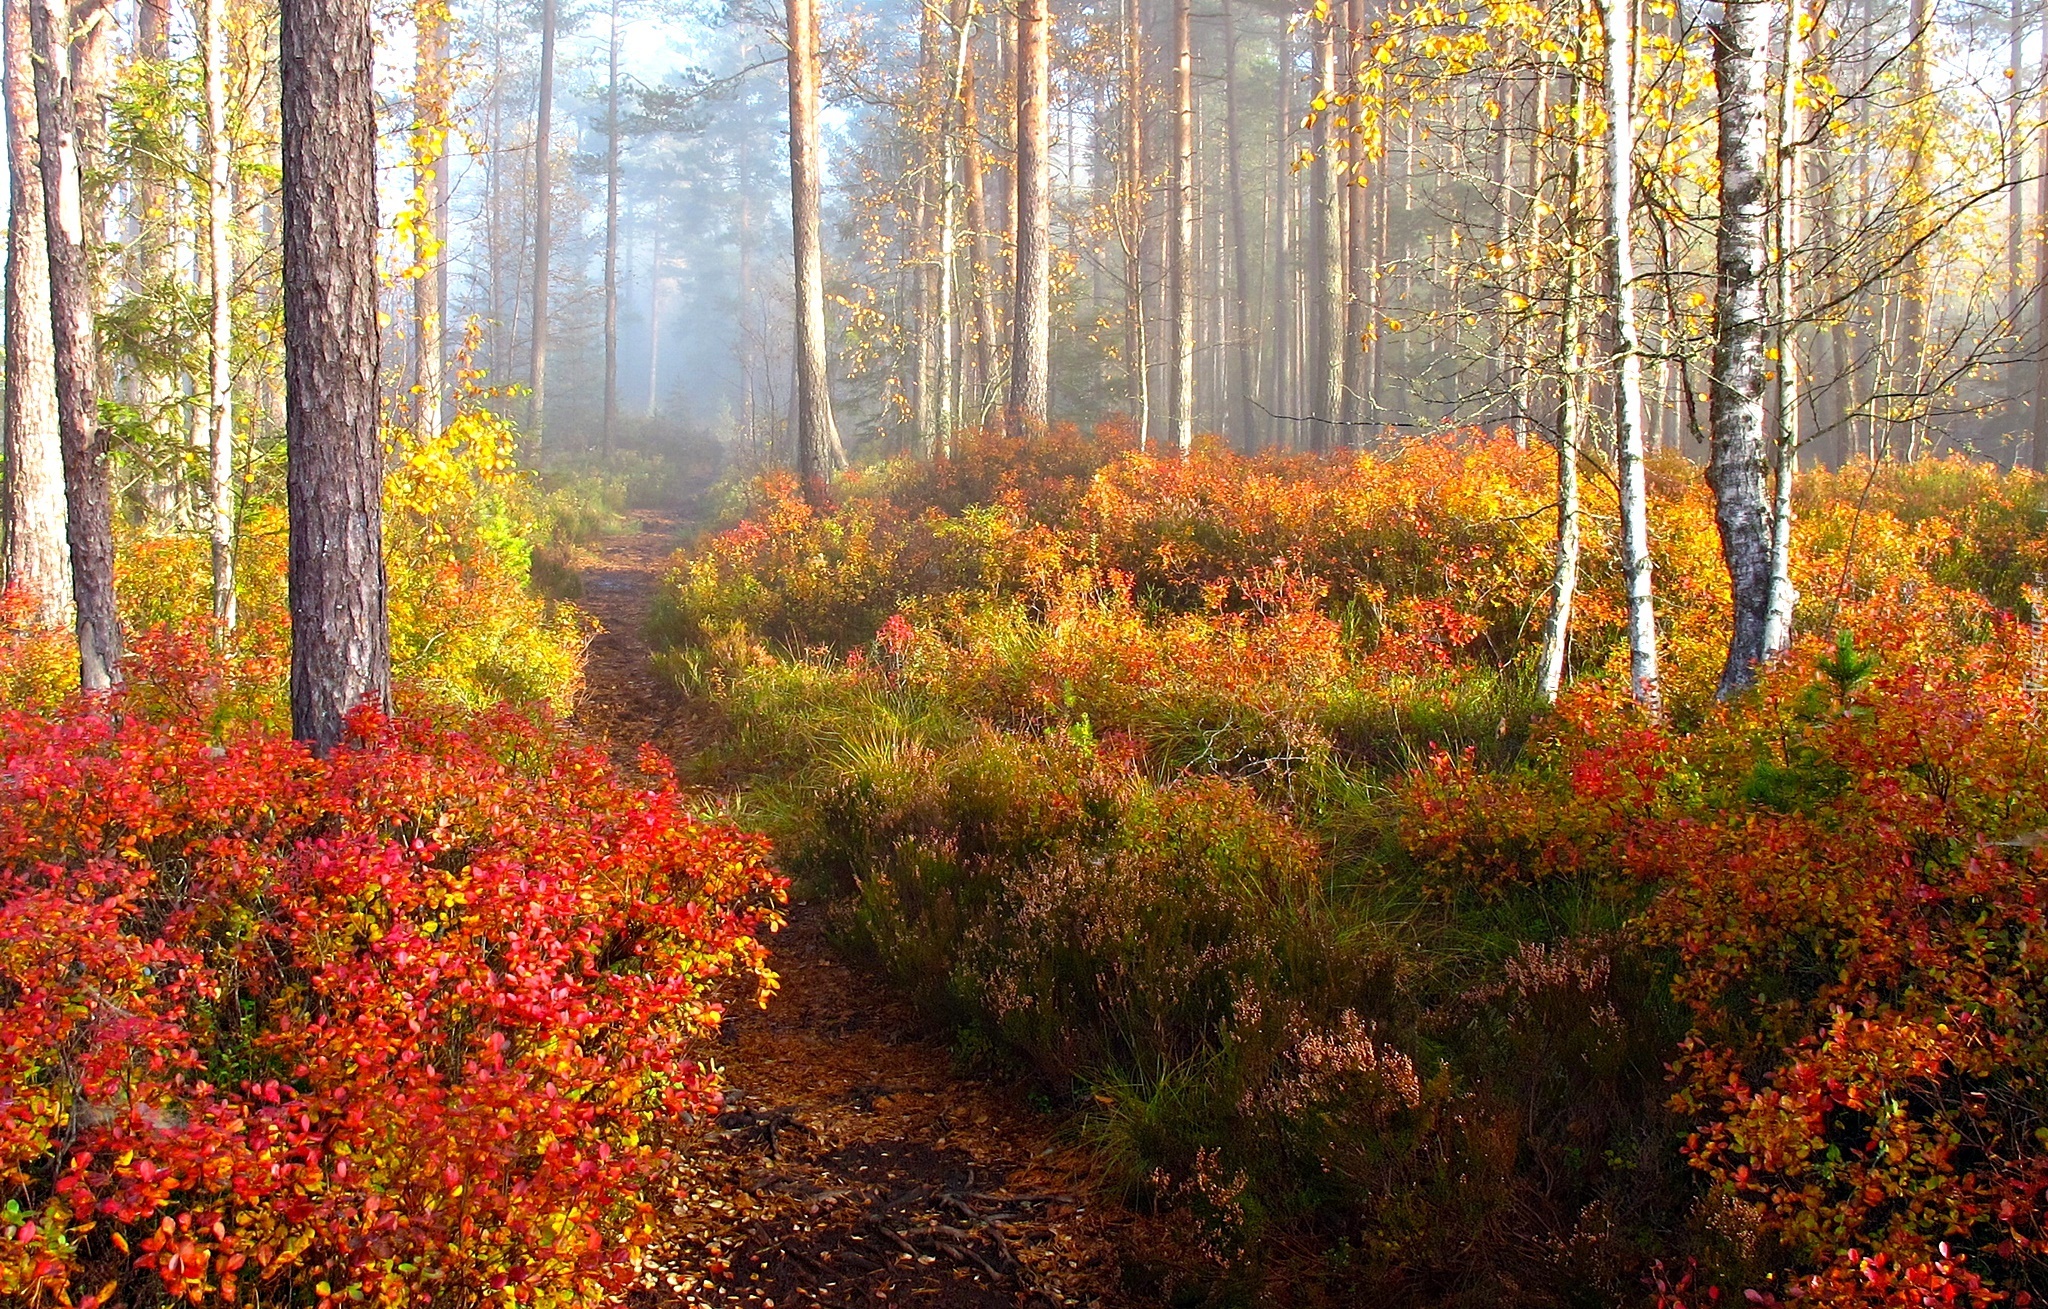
(1216, 797)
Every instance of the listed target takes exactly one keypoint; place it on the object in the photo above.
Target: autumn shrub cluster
(412, 1025)
(1216, 791)
(463, 525)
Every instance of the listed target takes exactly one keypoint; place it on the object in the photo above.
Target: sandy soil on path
(853, 1163)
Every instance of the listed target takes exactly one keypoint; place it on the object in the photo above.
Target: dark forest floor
(854, 1164)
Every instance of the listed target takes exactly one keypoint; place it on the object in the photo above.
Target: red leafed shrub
(407, 1026)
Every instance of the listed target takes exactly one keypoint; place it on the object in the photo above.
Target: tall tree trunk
(818, 452)
(164, 489)
(431, 96)
(341, 651)
(978, 252)
(1910, 380)
(1180, 231)
(1137, 350)
(32, 515)
(654, 328)
(1358, 246)
(220, 277)
(1785, 443)
(961, 21)
(1031, 320)
(87, 489)
(1736, 470)
(543, 219)
(1619, 19)
(1240, 240)
(1280, 300)
(611, 235)
(1326, 358)
(2039, 462)
(1571, 414)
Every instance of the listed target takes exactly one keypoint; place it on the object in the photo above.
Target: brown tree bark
(87, 485)
(32, 513)
(341, 655)
(818, 452)
(1736, 471)
(1031, 321)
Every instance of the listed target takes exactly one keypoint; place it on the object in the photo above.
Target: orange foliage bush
(409, 1026)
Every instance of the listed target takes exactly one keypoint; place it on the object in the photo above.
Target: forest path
(853, 1163)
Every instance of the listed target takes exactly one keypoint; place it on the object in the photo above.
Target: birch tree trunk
(430, 144)
(1736, 468)
(978, 252)
(1328, 361)
(32, 511)
(1031, 320)
(1619, 20)
(1910, 375)
(543, 220)
(1791, 126)
(962, 22)
(87, 484)
(2039, 462)
(1280, 300)
(1136, 344)
(1180, 245)
(611, 233)
(1240, 240)
(818, 452)
(1571, 419)
(341, 653)
(220, 277)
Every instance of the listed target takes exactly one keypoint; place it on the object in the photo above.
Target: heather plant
(1215, 794)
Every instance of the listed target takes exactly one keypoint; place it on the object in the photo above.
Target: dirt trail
(853, 1164)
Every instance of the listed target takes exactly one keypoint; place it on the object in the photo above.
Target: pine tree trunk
(543, 219)
(1619, 17)
(32, 511)
(1736, 470)
(1031, 321)
(341, 655)
(220, 276)
(1180, 231)
(87, 489)
(818, 453)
